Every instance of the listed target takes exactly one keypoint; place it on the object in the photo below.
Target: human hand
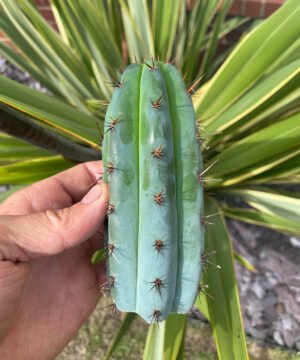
(48, 287)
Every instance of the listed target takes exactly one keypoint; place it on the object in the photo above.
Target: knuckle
(56, 218)
(58, 221)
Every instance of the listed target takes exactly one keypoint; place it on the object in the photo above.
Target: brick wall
(252, 8)
(255, 8)
(45, 9)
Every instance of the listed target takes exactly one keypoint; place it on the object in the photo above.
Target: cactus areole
(152, 162)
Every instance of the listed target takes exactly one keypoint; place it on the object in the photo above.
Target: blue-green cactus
(152, 162)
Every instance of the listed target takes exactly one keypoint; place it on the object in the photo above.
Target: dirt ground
(95, 336)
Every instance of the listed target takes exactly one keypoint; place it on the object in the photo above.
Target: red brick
(271, 7)
(235, 8)
(7, 42)
(42, 2)
(53, 24)
(253, 8)
(47, 13)
(275, 2)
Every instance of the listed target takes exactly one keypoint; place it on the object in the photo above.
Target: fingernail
(92, 195)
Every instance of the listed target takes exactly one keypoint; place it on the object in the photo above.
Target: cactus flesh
(152, 162)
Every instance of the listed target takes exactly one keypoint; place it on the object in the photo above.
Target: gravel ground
(14, 73)
(270, 297)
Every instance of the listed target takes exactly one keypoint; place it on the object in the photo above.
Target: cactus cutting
(152, 161)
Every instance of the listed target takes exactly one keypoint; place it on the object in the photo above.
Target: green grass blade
(223, 304)
(127, 321)
(244, 262)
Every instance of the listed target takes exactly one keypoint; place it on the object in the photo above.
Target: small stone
(287, 323)
(270, 313)
(280, 309)
(263, 254)
(258, 333)
(294, 241)
(254, 306)
(269, 300)
(271, 279)
(258, 290)
(278, 338)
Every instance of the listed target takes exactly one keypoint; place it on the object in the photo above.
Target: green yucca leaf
(201, 15)
(285, 172)
(28, 171)
(261, 96)
(57, 60)
(222, 311)
(50, 111)
(213, 42)
(254, 54)
(274, 222)
(12, 149)
(264, 145)
(164, 341)
(246, 175)
(286, 205)
(164, 24)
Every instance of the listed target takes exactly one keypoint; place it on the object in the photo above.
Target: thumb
(27, 237)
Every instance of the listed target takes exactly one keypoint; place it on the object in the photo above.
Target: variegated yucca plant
(247, 107)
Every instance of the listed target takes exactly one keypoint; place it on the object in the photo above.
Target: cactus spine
(152, 161)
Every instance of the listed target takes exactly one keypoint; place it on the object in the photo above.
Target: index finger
(56, 192)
